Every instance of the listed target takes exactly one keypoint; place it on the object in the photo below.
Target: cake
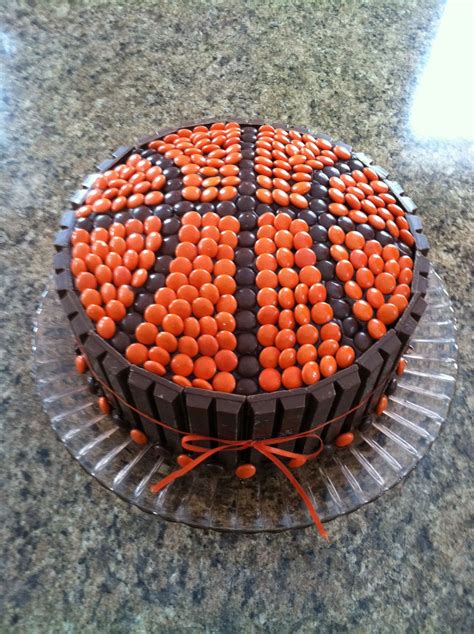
(240, 280)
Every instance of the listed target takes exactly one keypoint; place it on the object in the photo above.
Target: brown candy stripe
(231, 416)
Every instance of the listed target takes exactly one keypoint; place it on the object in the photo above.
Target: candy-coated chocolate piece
(138, 437)
(80, 363)
(381, 405)
(401, 366)
(245, 471)
(104, 405)
(183, 460)
(343, 440)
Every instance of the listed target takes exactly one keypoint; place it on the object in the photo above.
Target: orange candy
(90, 296)
(321, 313)
(376, 328)
(307, 333)
(159, 355)
(328, 365)
(155, 367)
(364, 278)
(343, 440)
(285, 338)
(202, 307)
(374, 297)
(287, 358)
(291, 377)
(208, 345)
(204, 367)
(269, 380)
(167, 341)
(330, 330)
(80, 363)
(182, 364)
(223, 382)
(115, 309)
(381, 405)
(85, 280)
(401, 366)
(245, 471)
(310, 373)
(387, 313)
(328, 346)
(344, 270)
(385, 283)
(400, 301)
(362, 310)
(146, 333)
(172, 324)
(225, 360)
(136, 353)
(138, 437)
(106, 327)
(345, 356)
(307, 352)
(95, 312)
(202, 384)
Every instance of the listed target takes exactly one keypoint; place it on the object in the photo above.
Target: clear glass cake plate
(337, 482)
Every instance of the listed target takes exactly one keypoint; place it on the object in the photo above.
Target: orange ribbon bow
(266, 447)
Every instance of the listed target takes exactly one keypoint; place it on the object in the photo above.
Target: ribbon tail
(171, 477)
(302, 493)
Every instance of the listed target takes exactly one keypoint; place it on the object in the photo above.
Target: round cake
(241, 280)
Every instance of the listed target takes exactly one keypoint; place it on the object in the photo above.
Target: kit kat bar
(67, 219)
(262, 416)
(170, 404)
(62, 262)
(107, 164)
(320, 399)
(346, 386)
(121, 152)
(421, 271)
(81, 325)
(418, 308)
(117, 368)
(145, 140)
(200, 411)
(78, 198)
(68, 304)
(90, 179)
(291, 412)
(230, 418)
(95, 350)
(405, 327)
(370, 365)
(62, 280)
(141, 385)
(390, 348)
(61, 239)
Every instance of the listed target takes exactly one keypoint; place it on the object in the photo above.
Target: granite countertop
(79, 79)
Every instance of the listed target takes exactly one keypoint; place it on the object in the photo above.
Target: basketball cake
(240, 280)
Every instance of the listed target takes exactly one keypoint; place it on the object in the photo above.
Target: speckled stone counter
(79, 80)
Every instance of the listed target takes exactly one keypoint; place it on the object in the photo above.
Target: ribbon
(267, 447)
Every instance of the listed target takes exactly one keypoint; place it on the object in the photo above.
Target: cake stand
(338, 482)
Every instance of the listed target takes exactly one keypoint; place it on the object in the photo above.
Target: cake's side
(234, 416)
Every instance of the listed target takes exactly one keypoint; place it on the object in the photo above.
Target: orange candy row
(282, 241)
(190, 326)
(207, 158)
(127, 186)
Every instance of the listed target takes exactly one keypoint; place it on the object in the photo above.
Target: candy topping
(234, 258)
